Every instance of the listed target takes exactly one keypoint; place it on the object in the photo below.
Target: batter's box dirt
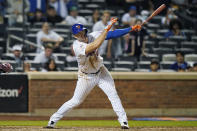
(35, 128)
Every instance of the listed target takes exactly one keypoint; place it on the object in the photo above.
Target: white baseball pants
(85, 84)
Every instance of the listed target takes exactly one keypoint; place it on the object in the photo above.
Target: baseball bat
(156, 12)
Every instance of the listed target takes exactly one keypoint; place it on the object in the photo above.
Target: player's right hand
(112, 22)
(136, 28)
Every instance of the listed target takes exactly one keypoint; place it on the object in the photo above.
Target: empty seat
(1, 52)
(143, 65)
(191, 57)
(166, 64)
(186, 50)
(141, 70)
(162, 32)
(166, 70)
(71, 69)
(108, 64)
(7, 56)
(194, 38)
(177, 38)
(189, 44)
(121, 69)
(162, 51)
(60, 56)
(167, 44)
(124, 64)
(31, 56)
(188, 32)
(72, 64)
(149, 44)
(127, 58)
(60, 65)
(31, 37)
(85, 12)
(149, 57)
(66, 50)
(153, 26)
(169, 57)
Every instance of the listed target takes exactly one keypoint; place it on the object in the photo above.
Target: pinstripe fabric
(85, 84)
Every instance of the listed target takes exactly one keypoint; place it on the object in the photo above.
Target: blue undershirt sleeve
(117, 33)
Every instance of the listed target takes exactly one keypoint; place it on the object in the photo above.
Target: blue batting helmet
(76, 28)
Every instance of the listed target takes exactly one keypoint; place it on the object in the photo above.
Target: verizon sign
(10, 92)
(13, 93)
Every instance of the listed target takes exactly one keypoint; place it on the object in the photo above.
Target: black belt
(92, 73)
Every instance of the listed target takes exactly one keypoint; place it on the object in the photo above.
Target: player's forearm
(97, 43)
(117, 33)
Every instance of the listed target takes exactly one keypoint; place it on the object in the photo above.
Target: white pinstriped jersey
(92, 62)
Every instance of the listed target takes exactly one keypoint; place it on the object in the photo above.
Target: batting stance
(92, 72)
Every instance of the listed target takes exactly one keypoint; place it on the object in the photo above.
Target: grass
(103, 123)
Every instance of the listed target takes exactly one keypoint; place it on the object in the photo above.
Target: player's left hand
(136, 28)
(6, 67)
(111, 23)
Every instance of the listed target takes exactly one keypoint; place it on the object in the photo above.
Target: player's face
(81, 36)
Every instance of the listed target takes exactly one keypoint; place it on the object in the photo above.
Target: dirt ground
(28, 128)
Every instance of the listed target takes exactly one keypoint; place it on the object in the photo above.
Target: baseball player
(92, 72)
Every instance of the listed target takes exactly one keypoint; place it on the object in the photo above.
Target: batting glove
(112, 22)
(136, 28)
(6, 67)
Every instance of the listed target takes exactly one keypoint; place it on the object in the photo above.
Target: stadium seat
(31, 56)
(161, 51)
(166, 70)
(7, 56)
(191, 57)
(72, 64)
(169, 57)
(31, 37)
(108, 64)
(143, 65)
(167, 44)
(189, 44)
(121, 69)
(35, 65)
(34, 30)
(127, 58)
(71, 69)
(166, 64)
(153, 26)
(65, 50)
(186, 50)
(85, 12)
(60, 65)
(60, 56)
(92, 6)
(162, 32)
(177, 38)
(188, 32)
(194, 38)
(149, 57)
(19, 69)
(1, 52)
(141, 70)
(124, 64)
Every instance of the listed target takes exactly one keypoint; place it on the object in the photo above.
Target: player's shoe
(124, 125)
(50, 125)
